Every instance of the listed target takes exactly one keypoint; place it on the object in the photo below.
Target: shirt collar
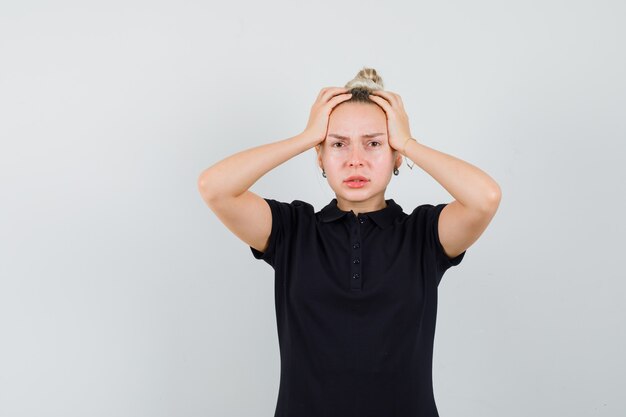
(383, 217)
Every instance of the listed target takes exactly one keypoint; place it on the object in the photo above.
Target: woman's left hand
(397, 119)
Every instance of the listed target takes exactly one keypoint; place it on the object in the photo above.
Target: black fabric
(356, 306)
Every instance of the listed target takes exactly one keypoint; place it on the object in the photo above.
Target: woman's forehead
(362, 136)
(358, 119)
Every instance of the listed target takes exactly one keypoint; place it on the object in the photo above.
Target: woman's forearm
(235, 174)
(467, 183)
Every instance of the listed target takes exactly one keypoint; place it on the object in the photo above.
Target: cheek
(382, 159)
(334, 159)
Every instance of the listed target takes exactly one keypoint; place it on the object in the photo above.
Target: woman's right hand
(326, 100)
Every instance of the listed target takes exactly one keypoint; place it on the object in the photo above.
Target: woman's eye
(378, 144)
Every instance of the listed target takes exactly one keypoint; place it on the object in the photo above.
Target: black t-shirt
(356, 306)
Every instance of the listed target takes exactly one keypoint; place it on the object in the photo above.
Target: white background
(122, 294)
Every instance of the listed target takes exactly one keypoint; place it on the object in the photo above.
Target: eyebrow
(366, 136)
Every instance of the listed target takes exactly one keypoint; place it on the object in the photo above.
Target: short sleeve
(444, 261)
(285, 217)
(430, 221)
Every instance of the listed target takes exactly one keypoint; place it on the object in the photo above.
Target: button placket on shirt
(356, 280)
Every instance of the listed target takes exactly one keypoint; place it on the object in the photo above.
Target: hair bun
(366, 79)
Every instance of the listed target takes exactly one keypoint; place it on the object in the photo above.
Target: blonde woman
(355, 282)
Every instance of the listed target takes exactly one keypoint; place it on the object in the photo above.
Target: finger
(382, 93)
(333, 91)
(322, 92)
(338, 99)
(389, 96)
(381, 102)
(379, 94)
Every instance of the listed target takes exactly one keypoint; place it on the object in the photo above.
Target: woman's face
(347, 151)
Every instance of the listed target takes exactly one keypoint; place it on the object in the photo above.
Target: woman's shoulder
(294, 207)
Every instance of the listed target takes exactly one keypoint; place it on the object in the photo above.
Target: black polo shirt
(356, 305)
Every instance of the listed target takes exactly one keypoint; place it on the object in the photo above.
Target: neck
(365, 206)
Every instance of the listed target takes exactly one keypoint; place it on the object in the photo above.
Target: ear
(319, 156)
(398, 162)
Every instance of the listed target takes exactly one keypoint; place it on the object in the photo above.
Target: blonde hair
(365, 81)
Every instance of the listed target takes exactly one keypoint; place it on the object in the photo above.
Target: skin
(374, 158)
(461, 222)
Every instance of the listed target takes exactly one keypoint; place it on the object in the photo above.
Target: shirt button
(355, 276)
(362, 220)
(356, 260)
(356, 245)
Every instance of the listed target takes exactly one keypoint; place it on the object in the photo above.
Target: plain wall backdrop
(122, 294)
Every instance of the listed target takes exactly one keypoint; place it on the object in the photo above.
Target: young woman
(355, 282)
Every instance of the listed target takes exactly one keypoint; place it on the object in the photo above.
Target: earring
(323, 173)
(395, 171)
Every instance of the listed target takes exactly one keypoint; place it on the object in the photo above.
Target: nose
(355, 156)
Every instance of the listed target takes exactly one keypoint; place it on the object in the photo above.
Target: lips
(355, 178)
